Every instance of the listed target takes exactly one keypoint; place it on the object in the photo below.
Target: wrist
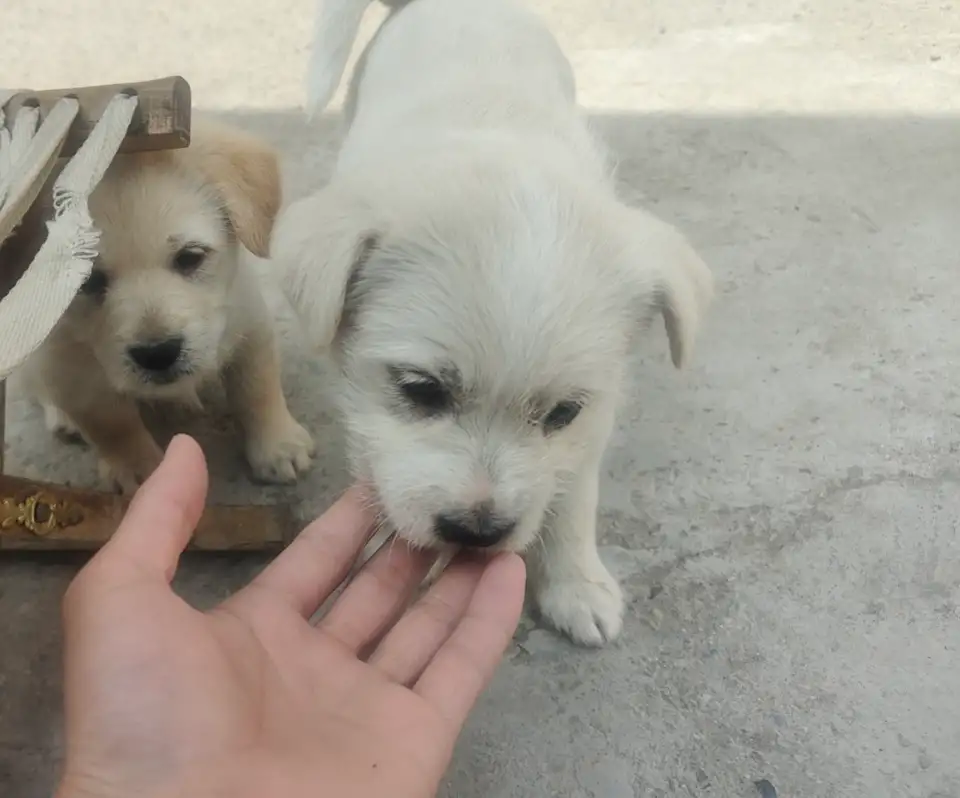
(71, 787)
(70, 791)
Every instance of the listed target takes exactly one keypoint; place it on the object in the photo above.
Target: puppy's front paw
(281, 454)
(61, 425)
(587, 607)
(121, 478)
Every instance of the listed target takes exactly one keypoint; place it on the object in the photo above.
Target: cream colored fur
(478, 282)
(215, 197)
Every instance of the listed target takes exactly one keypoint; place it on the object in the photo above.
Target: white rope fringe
(38, 300)
(27, 156)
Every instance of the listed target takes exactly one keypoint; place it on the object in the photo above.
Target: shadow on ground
(783, 515)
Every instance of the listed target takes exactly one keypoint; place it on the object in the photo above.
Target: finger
(319, 559)
(407, 648)
(162, 515)
(465, 664)
(376, 595)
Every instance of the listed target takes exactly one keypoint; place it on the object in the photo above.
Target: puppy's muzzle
(158, 359)
(479, 527)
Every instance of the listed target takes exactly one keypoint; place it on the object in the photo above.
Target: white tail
(335, 30)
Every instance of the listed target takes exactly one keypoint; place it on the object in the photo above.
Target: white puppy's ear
(245, 172)
(320, 243)
(667, 267)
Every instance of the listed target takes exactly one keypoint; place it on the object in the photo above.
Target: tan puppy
(171, 305)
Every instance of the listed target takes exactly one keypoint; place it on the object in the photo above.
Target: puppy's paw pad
(589, 610)
(281, 457)
(61, 425)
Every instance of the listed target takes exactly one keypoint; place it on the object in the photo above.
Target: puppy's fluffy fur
(170, 305)
(480, 285)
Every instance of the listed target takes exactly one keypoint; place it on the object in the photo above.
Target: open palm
(250, 698)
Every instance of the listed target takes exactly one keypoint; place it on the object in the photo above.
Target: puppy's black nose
(478, 527)
(157, 355)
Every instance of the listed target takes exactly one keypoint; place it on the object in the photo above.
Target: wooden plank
(161, 122)
(42, 516)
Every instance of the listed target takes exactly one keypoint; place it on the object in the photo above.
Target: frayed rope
(36, 303)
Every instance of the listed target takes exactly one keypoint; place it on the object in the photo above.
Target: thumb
(161, 517)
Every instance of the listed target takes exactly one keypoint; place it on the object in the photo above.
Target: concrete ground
(783, 515)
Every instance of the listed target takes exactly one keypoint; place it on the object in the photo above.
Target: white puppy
(170, 305)
(479, 285)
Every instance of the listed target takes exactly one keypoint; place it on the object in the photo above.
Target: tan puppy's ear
(245, 171)
(667, 268)
(320, 245)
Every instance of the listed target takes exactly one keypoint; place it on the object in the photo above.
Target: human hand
(250, 699)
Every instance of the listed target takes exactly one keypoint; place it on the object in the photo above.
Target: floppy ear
(672, 272)
(320, 244)
(245, 172)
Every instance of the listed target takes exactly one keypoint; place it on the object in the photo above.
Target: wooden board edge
(44, 516)
(161, 122)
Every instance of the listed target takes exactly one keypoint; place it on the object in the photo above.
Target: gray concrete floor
(783, 515)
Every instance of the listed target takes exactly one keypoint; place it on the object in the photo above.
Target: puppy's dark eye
(189, 259)
(562, 415)
(423, 391)
(96, 283)
(427, 394)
